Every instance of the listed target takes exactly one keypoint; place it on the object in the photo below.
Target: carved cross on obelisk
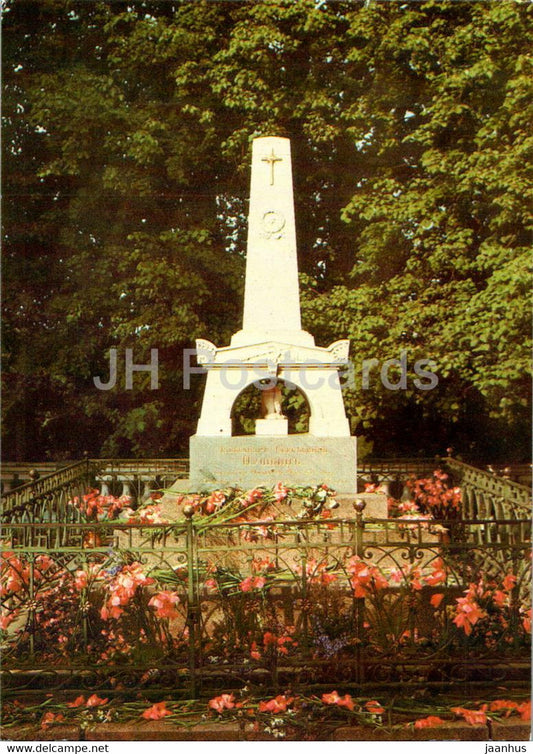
(271, 297)
(272, 159)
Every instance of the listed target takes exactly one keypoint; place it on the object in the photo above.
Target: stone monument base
(250, 461)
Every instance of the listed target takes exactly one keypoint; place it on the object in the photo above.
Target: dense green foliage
(127, 130)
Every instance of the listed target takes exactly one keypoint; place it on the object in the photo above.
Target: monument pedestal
(252, 461)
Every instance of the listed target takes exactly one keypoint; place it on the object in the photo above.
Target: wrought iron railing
(304, 626)
(47, 498)
(485, 495)
(484, 490)
(270, 604)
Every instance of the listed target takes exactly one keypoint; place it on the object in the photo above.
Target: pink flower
(151, 514)
(472, 717)
(278, 704)
(524, 710)
(280, 492)
(80, 580)
(264, 564)
(122, 588)
(156, 711)
(214, 501)
(222, 702)
(428, 722)
(509, 582)
(365, 577)
(253, 496)
(438, 575)
(436, 599)
(340, 701)
(51, 717)
(503, 704)
(164, 603)
(468, 611)
(252, 582)
(78, 702)
(374, 707)
(95, 701)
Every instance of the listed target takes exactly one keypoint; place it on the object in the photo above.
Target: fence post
(359, 506)
(192, 604)
(32, 601)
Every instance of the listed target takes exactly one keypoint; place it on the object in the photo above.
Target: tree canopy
(127, 132)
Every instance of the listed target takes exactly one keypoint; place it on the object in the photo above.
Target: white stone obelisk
(272, 350)
(271, 298)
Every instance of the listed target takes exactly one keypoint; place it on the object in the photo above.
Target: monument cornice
(270, 353)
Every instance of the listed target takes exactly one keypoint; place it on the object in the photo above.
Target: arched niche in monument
(320, 386)
(249, 405)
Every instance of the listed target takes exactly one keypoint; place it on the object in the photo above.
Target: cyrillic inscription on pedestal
(252, 461)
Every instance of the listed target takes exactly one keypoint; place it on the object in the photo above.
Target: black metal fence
(191, 608)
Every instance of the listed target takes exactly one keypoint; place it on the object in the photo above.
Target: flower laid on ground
(282, 710)
(95, 701)
(374, 707)
(432, 721)
(232, 504)
(164, 604)
(147, 514)
(214, 502)
(340, 701)
(79, 701)
(280, 492)
(222, 702)
(49, 718)
(503, 705)
(156, 711)
(97, 507)
(252, 496)
(472, 717)
(276, 705)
